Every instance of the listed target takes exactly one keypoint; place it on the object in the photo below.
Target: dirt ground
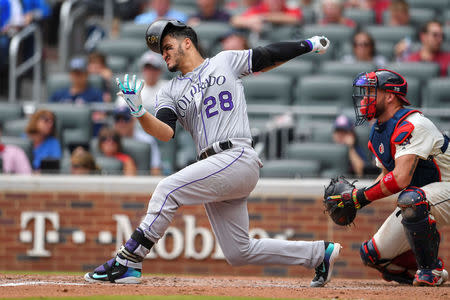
(52, 285)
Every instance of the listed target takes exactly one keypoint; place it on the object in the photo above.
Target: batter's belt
(218, 147)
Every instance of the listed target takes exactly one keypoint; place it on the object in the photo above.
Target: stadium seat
(57, 81)
(437, 93)
(294, 69)
(267, 89)
(168, 155)
(333, 157)
(360, 16)
(129, 48)
(140, 152)
(344, 69)
(447, 32)
(309, 15)
(15, 127)
(389, 33)
(10, 111)
(414, 94)
(117, 64)
(185, 147)
(335, 33)
(290, 168)
(109, 166)
(23, 143)
(418, 16)
(437, 5)
(324, 90)
(73, 122)
(385, 49)
(280, 33)
(130, 30)
(209, 33)
(420, 70)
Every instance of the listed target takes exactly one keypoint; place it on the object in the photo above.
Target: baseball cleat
(325, 269)
(113, 272)
(433, 277)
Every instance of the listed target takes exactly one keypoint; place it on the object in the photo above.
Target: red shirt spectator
(431, 38)
(263, 8)
(332, 14)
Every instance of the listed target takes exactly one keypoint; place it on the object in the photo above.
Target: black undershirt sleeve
(269, 55)
(169, 117)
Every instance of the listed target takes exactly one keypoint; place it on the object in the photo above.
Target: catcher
(414, 160)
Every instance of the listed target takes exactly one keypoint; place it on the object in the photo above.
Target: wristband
(359, 198)
(390, 183)
(374, 192)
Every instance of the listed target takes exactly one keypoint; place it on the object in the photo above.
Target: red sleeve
(295, 12)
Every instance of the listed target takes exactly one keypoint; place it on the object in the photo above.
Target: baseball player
(207, 98)
(414, 159)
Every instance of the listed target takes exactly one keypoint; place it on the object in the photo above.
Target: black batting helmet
(156, 31)
(365, 87)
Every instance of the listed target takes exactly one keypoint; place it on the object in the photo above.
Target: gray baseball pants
(222, 183)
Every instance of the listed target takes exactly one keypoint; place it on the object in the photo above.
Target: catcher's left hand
(340, 201)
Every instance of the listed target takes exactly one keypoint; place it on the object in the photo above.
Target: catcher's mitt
(338, 201)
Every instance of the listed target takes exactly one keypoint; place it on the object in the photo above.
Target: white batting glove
(319, 44)
(132, 95)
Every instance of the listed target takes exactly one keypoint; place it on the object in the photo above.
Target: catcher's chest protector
(396, 130)
(380, 139)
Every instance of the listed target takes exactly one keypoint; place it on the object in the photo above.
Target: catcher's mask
(156, 31)
(365, 87)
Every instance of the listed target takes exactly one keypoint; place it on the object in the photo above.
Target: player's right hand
(132, 95)
(319, 44)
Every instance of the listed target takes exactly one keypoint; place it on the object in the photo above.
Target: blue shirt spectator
(90, 94)
(160, 9)
(49, 148)
(79, 92)
(39, 8)
(5, 12)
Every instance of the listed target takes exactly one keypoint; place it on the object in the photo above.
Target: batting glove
(132, 95)
(319, 44)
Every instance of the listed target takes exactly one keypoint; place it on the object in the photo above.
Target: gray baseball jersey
(210, 104)
(209, 101)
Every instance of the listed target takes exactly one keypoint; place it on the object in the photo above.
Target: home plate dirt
(54, 285)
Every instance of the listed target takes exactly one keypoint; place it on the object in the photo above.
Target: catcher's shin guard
(400, 269)
(420, 227)
(135, 249)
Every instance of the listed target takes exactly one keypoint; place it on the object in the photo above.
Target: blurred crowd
(90, 77)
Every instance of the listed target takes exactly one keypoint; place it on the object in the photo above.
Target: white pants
(391, 238)
(222, 183)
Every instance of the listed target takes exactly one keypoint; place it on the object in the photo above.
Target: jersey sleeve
(419, 142)
(240, 61)
(164, 100)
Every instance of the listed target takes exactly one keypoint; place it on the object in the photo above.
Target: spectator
(332, 14)
(13, 158)
(35, 10)
(79, 92)
(344, 133)
(82, 163)
(97, 66)
(364, 50)
(41, 131)
(399, 13)
(274, 12)
(11, 20)
(209, 11)
(378, 6)
(159, 9)
(234, 40)
(126, 127)
(431, 38)
(151, 65)
(110, 145)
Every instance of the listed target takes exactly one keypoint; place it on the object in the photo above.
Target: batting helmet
(156, 31)
(365, 87)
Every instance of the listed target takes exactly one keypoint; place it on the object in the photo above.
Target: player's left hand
(132, 95)
(319, 44)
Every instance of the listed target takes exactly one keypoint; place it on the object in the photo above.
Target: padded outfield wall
(69, 223)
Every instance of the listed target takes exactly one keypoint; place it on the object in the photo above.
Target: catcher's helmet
(365, 87)
(156, 31)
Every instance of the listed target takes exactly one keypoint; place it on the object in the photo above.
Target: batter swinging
(208, 100)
